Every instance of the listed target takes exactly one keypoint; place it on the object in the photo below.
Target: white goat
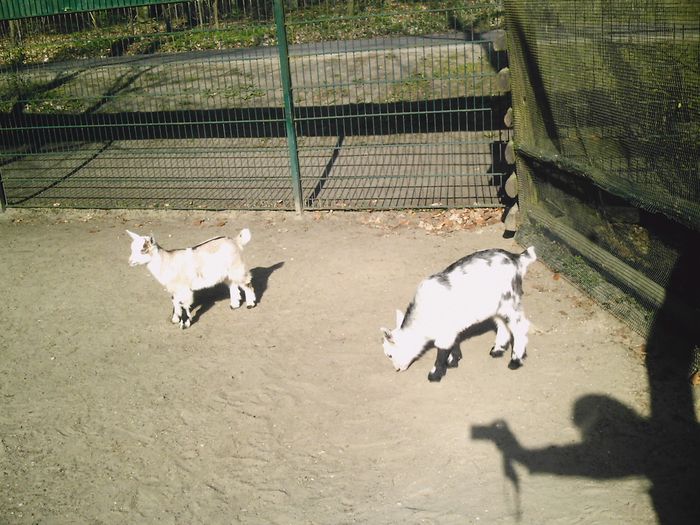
(207, 264)
(481, 286)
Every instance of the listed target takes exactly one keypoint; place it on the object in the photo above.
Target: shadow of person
(208, 297)
(616, 442)
(671, 357)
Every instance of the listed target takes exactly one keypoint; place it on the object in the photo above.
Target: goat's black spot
(408, 316)
(462, 262)
(483, 255)
(510, 258)
(443, 278)
(517, 284)
(488, 256)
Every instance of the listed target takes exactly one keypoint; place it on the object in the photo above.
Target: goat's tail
(526, 259)
(243, 238)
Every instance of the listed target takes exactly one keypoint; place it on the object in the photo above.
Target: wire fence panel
(181, 105)
(607, 106)
(413, 116)
(138, 116)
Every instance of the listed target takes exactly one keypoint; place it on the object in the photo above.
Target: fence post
(3, 195)
(288, 104)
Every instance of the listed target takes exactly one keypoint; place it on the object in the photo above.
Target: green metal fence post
(288, 104)
(3, 195)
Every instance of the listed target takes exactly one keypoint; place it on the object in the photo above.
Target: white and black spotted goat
(481, 286)
(207, 264)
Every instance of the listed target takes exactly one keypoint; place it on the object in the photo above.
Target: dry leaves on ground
(437, 221)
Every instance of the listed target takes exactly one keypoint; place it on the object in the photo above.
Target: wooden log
(511, 186)
(500, 43)
(619, 270)
(503, 80)
(508, 119)
(510, 152)
(511, 219)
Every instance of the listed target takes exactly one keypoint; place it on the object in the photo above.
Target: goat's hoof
(249, 306)
(435, 375)
(497, 352)
(515, 364)
(184, 324)
(235, 306)
(452, 362)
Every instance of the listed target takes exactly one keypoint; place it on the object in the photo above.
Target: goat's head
(399, 346)
(142, 249)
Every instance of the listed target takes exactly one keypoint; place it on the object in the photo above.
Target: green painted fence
(219, 104)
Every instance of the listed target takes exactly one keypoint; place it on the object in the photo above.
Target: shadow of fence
(429, 116)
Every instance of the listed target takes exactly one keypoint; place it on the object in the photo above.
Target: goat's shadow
(205, 299)
(478, 329)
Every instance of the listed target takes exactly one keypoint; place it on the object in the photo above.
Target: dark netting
(606, 97)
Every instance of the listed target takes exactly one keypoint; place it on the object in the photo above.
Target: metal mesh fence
(413, 119)
(607, 111)
(182, 105)
(143, 107)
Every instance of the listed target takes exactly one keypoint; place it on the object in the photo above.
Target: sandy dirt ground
(289, 413)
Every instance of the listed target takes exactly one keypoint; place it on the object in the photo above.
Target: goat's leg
(235, 295)
(503, 338)
(448, 353)
(247, 287)
(440, 366)
(177, 310)
(185, 299)
(186, 319)
(235, 290)
(454, 357)
(519, 326)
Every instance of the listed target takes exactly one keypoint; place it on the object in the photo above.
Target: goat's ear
(399, 318)
(150, 240)
(387, 334)
(133, 235)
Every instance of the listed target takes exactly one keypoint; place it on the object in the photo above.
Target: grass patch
(447, 76)
(117, 86)
(317, 23)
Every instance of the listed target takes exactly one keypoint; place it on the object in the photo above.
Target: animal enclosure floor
(289, 413)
